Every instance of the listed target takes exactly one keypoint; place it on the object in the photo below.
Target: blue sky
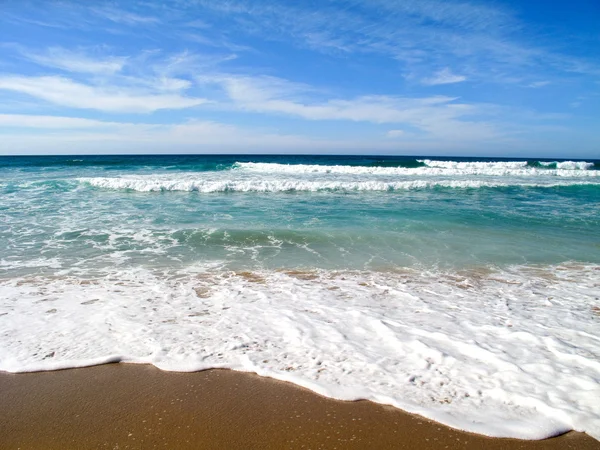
(491, 78)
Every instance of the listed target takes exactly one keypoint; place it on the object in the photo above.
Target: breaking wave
(153, 184)
(435, 168)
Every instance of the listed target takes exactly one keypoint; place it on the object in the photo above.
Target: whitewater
(463, 290)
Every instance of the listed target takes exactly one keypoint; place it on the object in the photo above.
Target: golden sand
(120, 406)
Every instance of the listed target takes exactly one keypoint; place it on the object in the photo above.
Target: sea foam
(195, 183)
(277, 177)
(511, 353)
(432, 169)
(436, 319)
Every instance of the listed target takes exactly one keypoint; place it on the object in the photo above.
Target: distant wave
(143, 184)
(177, 162)
(436, 168)
(562, 165)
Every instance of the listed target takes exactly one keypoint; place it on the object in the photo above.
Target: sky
(407, 77)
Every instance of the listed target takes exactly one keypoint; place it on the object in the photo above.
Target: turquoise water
(463, 290)
(56, 216)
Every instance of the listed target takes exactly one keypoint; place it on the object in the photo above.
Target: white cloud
(36, 134)
(466, 14)
(54, 122)
(395, 133)
(194, 136)
(66, 92)
(125, 17)
(187, 62)
(428, 31)
(538, 84)
(437, 116)
(76, 61)
(486, 38)
(444, 76)
(191, 136)
(429, 117)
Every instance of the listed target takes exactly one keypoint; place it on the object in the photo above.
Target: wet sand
(119, 406)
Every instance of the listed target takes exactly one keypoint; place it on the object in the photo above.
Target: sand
(119, 406)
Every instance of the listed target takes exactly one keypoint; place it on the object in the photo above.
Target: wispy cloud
(437, 116)
(444, 76)
(473, 37)
(72, 15)
(195, 136)
(393, 134)
(66, 92)
(76, 61)
(70, 135)
(188, 63)
(27, 20)
(123, 16)
(49, 134)
(215, 39)
(93, 78)
(371, 65)
(55, 122)
(462, 34)
(538, 84)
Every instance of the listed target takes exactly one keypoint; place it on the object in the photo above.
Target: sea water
(464, 290)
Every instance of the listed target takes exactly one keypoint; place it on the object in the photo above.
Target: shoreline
(139, 406)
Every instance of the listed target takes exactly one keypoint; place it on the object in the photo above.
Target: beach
(462, 290)
(365, 224)
(138, 406)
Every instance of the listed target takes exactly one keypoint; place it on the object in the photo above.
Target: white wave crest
(563, 165)
(569, 165)
(150, 184)
(431, 169)
(481, 165)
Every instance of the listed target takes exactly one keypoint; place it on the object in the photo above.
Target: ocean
(465, 290)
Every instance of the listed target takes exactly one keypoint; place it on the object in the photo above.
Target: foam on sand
(511, 352)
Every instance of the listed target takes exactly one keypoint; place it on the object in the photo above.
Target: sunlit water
(464, 290)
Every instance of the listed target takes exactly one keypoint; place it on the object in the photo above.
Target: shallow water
(464, 290)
